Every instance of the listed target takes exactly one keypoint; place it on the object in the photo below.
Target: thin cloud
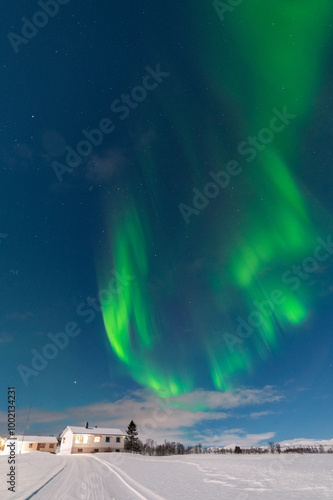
(173, 418)
(258, 414)
(6, 338)
(234, 437)
(229, 400)
(31, 418)
(19, 316)
(245, 441)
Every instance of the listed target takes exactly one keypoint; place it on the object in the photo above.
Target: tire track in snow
(37, 491)
(126, 480)
(83, 479)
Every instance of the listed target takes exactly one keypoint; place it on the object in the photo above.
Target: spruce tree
(132, 442)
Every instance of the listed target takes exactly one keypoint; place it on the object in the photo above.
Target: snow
(95, 431)
(118, 476)
(293, 443)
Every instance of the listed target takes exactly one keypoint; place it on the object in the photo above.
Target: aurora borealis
(187, 227)
(264, 57)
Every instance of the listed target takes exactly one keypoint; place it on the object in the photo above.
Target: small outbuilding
(24, 444)
(91, 440)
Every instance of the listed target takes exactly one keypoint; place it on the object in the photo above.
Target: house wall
(25, 446)
(92, 446)
(66, 442)
(28, 446)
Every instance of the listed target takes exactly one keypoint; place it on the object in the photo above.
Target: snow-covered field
(116, 476)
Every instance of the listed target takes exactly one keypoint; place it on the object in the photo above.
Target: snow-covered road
(90, 477)
(81, 477)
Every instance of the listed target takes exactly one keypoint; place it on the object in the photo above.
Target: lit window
(81, 439)
(97, 439)
(117, 440)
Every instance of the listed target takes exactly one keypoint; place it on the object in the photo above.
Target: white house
(91, 440)
(25, 444)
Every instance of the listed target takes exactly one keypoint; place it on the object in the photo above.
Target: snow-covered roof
(34, 439)
(99, 431)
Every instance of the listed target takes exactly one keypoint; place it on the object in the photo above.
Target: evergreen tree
(132, 442)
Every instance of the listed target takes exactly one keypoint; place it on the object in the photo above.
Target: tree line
(151, 448)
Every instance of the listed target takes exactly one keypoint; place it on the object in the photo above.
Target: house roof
(34, 439)
(99, 431)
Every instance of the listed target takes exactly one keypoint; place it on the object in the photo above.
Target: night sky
(166, 229)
